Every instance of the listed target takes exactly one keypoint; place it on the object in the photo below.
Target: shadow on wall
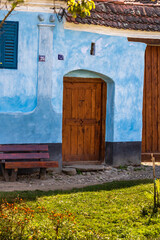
(110, 97)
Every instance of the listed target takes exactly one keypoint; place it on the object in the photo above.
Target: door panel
(82, 120)
(151, 103)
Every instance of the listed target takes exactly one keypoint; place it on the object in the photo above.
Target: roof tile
(131, 14)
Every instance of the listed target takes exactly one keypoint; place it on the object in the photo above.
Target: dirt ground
(61, 181)
(32, 183)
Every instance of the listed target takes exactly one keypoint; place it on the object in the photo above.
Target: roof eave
(111, 31)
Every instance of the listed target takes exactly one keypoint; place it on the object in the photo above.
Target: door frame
(103, 117)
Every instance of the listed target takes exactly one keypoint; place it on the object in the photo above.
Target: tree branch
(1, 24)
(14, 5)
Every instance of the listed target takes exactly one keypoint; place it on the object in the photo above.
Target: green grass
(117, 210)
(122, 167)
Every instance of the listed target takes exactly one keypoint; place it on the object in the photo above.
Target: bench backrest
(25, 151)
(23, 148)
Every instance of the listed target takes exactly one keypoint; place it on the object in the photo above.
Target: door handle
(81, 122)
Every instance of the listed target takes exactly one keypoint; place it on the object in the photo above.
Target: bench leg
(13, 176)
(5, 172)
(42, 173)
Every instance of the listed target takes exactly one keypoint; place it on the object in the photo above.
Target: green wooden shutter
(9, 45)
(1, 47)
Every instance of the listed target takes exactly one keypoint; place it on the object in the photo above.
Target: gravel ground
(60, 181)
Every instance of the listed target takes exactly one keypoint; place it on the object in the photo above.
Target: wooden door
(83, 119)
(151, 103)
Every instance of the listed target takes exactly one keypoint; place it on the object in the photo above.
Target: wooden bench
(13, 157)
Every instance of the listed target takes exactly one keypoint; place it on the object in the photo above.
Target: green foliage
(20, 221)
(14, 219)
(157, 181)
(116, 210)
(122, 167)
(81, 7)
(79, 172)
(15, 2)
(139, 169)
(157, 189)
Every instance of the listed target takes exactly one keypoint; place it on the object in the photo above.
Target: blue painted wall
(31, 97)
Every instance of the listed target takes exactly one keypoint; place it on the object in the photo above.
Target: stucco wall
(31, 97)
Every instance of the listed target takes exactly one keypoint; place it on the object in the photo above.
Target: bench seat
(44, 164)
(14, 157)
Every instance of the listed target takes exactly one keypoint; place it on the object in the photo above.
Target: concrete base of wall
(55, 153)
(123, 153)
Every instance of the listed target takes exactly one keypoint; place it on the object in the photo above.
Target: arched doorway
(151, 103)
(84, 115)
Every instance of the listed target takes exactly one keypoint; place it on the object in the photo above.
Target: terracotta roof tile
(131, 14)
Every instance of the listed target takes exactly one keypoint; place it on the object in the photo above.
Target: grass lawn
(117, 210)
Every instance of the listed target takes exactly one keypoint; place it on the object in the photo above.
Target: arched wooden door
(151, 103)
(84, 111)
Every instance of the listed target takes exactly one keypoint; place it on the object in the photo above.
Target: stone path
(60, 181)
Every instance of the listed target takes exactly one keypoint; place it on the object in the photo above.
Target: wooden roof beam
(148, 41)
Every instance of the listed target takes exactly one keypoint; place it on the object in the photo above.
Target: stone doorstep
(69, 171)
(86, 168)
(73, 170)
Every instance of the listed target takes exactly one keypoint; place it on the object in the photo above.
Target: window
(9, 45)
